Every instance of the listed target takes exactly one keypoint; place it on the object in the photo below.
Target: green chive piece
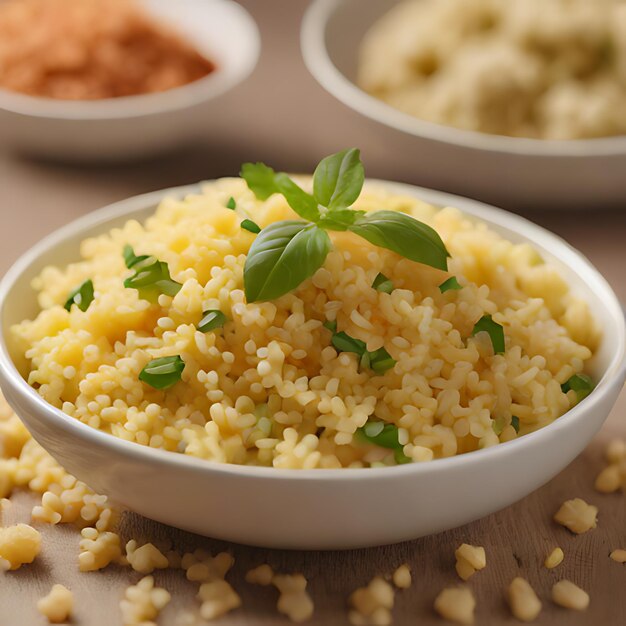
(581, 384)
(130, 258)
(385, 435)
(163, 373)
(382, 283)
(82, 296)
(211, 319)
(494, 330)
(251, 226)
(450, 284)
(231, 204)
(151, 280)
(344, 343)
(515, 423)
(330, 325)
(498, 425)
(364, 362)
(381, 361)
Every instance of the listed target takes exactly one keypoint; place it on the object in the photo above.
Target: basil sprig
(82, 296)
(580, 383)
(131, 259)
(250, 226)
(270, 269)
(451, 284)
(382, 283)
(377, 360)
(384, 435)
(163, 373)
(493, 329)
(151, 278)
(211, 319)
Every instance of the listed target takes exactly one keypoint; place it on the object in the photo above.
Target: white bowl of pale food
(529, 113)
(313, 508)
(136, 126)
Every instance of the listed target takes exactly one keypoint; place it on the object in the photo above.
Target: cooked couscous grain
(524, 603)
(217, 598)
(58, 605)
(554, 559)
(469, 559)
(98, 549)
(456, 604)
(19, 545)
(402, 577)
(568, 595)
(619, 555)
(577, 516)
(145, 559)
(293, 601)
(261, 575)
(372, 604)
(143, 602)
(247, 394)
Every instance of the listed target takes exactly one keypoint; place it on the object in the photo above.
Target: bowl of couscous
(518, 103)
(321, 362)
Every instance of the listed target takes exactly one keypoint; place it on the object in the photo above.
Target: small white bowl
(315, 509)
(136, 126)
(509, 171)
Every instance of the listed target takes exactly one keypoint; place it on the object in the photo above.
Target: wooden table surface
(262, 120)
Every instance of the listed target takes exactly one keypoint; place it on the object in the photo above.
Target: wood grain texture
(37, 197)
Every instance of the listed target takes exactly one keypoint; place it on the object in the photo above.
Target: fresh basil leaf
(283, 256)
(130, 258)
(299, 200)
(151, 280)
(231, 204)
(382, 283)
(82, 296)
(400, 457)
(250, 226)
(340, 219)
(404, 235)
(493, 329)
(344, 343)
(515, 423)
(163, 373)
(338, 179)
(580, 383)
(450, 284)
(260, 179)
(381, 361)
(211, 319)
(385, 437)
(332, 326)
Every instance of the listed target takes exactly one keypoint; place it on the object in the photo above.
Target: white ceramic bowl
(508, 171)
(312, 508)
(137, 126)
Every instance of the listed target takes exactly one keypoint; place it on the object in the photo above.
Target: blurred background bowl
(525, 173)
(143, 125)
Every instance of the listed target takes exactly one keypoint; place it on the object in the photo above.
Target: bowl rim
(16, 387)
(144, 105)
(320, 65)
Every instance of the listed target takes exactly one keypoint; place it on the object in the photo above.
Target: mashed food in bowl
(549, 69)
(171, 333)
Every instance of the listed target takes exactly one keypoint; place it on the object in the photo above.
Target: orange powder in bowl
(91, 49)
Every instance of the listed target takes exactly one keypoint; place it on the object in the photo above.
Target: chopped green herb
(515, 423)
(151, 280)
(498, 425)
(344, 343)
(385, 435)
(450, 284)
(82, 296)
(211, 320)
(251, 226)
(231, 204)
(493, 329)
(381, 361)
(296, 249)
(330, 325)
(130, 258)
(581, 384)
(163, 373)
(382, 283)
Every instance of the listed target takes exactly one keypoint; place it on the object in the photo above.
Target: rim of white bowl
(211, 86)
(12, 379)
(321, 66)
